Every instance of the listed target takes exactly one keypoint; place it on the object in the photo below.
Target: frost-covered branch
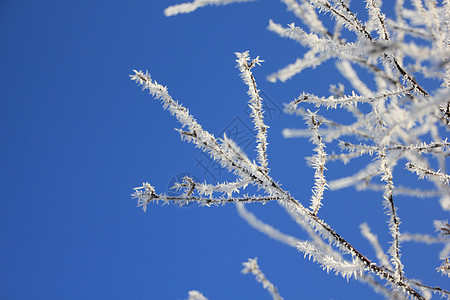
(399, 190)
(434, 147)
(394, 221)
(324, 45)
(145, 194)
(227, 154)
(310, 60)
(373, 239)
(445, 267)
(377, 18)
(391, 117)
(188, 7)
(332, 102)
(319, 253)
(251, 266)
(341, 11)
(443, 227)
(317, 162)
(425, 172)
(226, 188)
(245, 66)
(265, 228)
(305, 12)
(423, 238)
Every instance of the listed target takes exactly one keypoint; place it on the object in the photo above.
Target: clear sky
(77, 135)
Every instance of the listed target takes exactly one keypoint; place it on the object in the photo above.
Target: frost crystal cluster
(400, 123)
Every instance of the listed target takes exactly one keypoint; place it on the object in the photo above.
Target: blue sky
(77, 135)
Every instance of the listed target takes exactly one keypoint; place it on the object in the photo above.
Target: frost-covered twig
(373, 239)
(265, 228)
(324, 45)
(399, 190)
(435, 289)
(226, 188)
(377, 18)
(310, 60)
(445, 267)
(225, 154)
(443, 227)
(332, 102)
(364, 175)
(317, 162)
(318, 253)
(146, 194)
(188, 7)
(251, 266)
(434, 147)
(425, 172)
(394, 221)
(341, 11)
(423, 238)
(305, 12)
(350, 74)
(245, 66)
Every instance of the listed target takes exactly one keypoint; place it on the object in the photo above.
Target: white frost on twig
(251, 266)
(188, 7)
